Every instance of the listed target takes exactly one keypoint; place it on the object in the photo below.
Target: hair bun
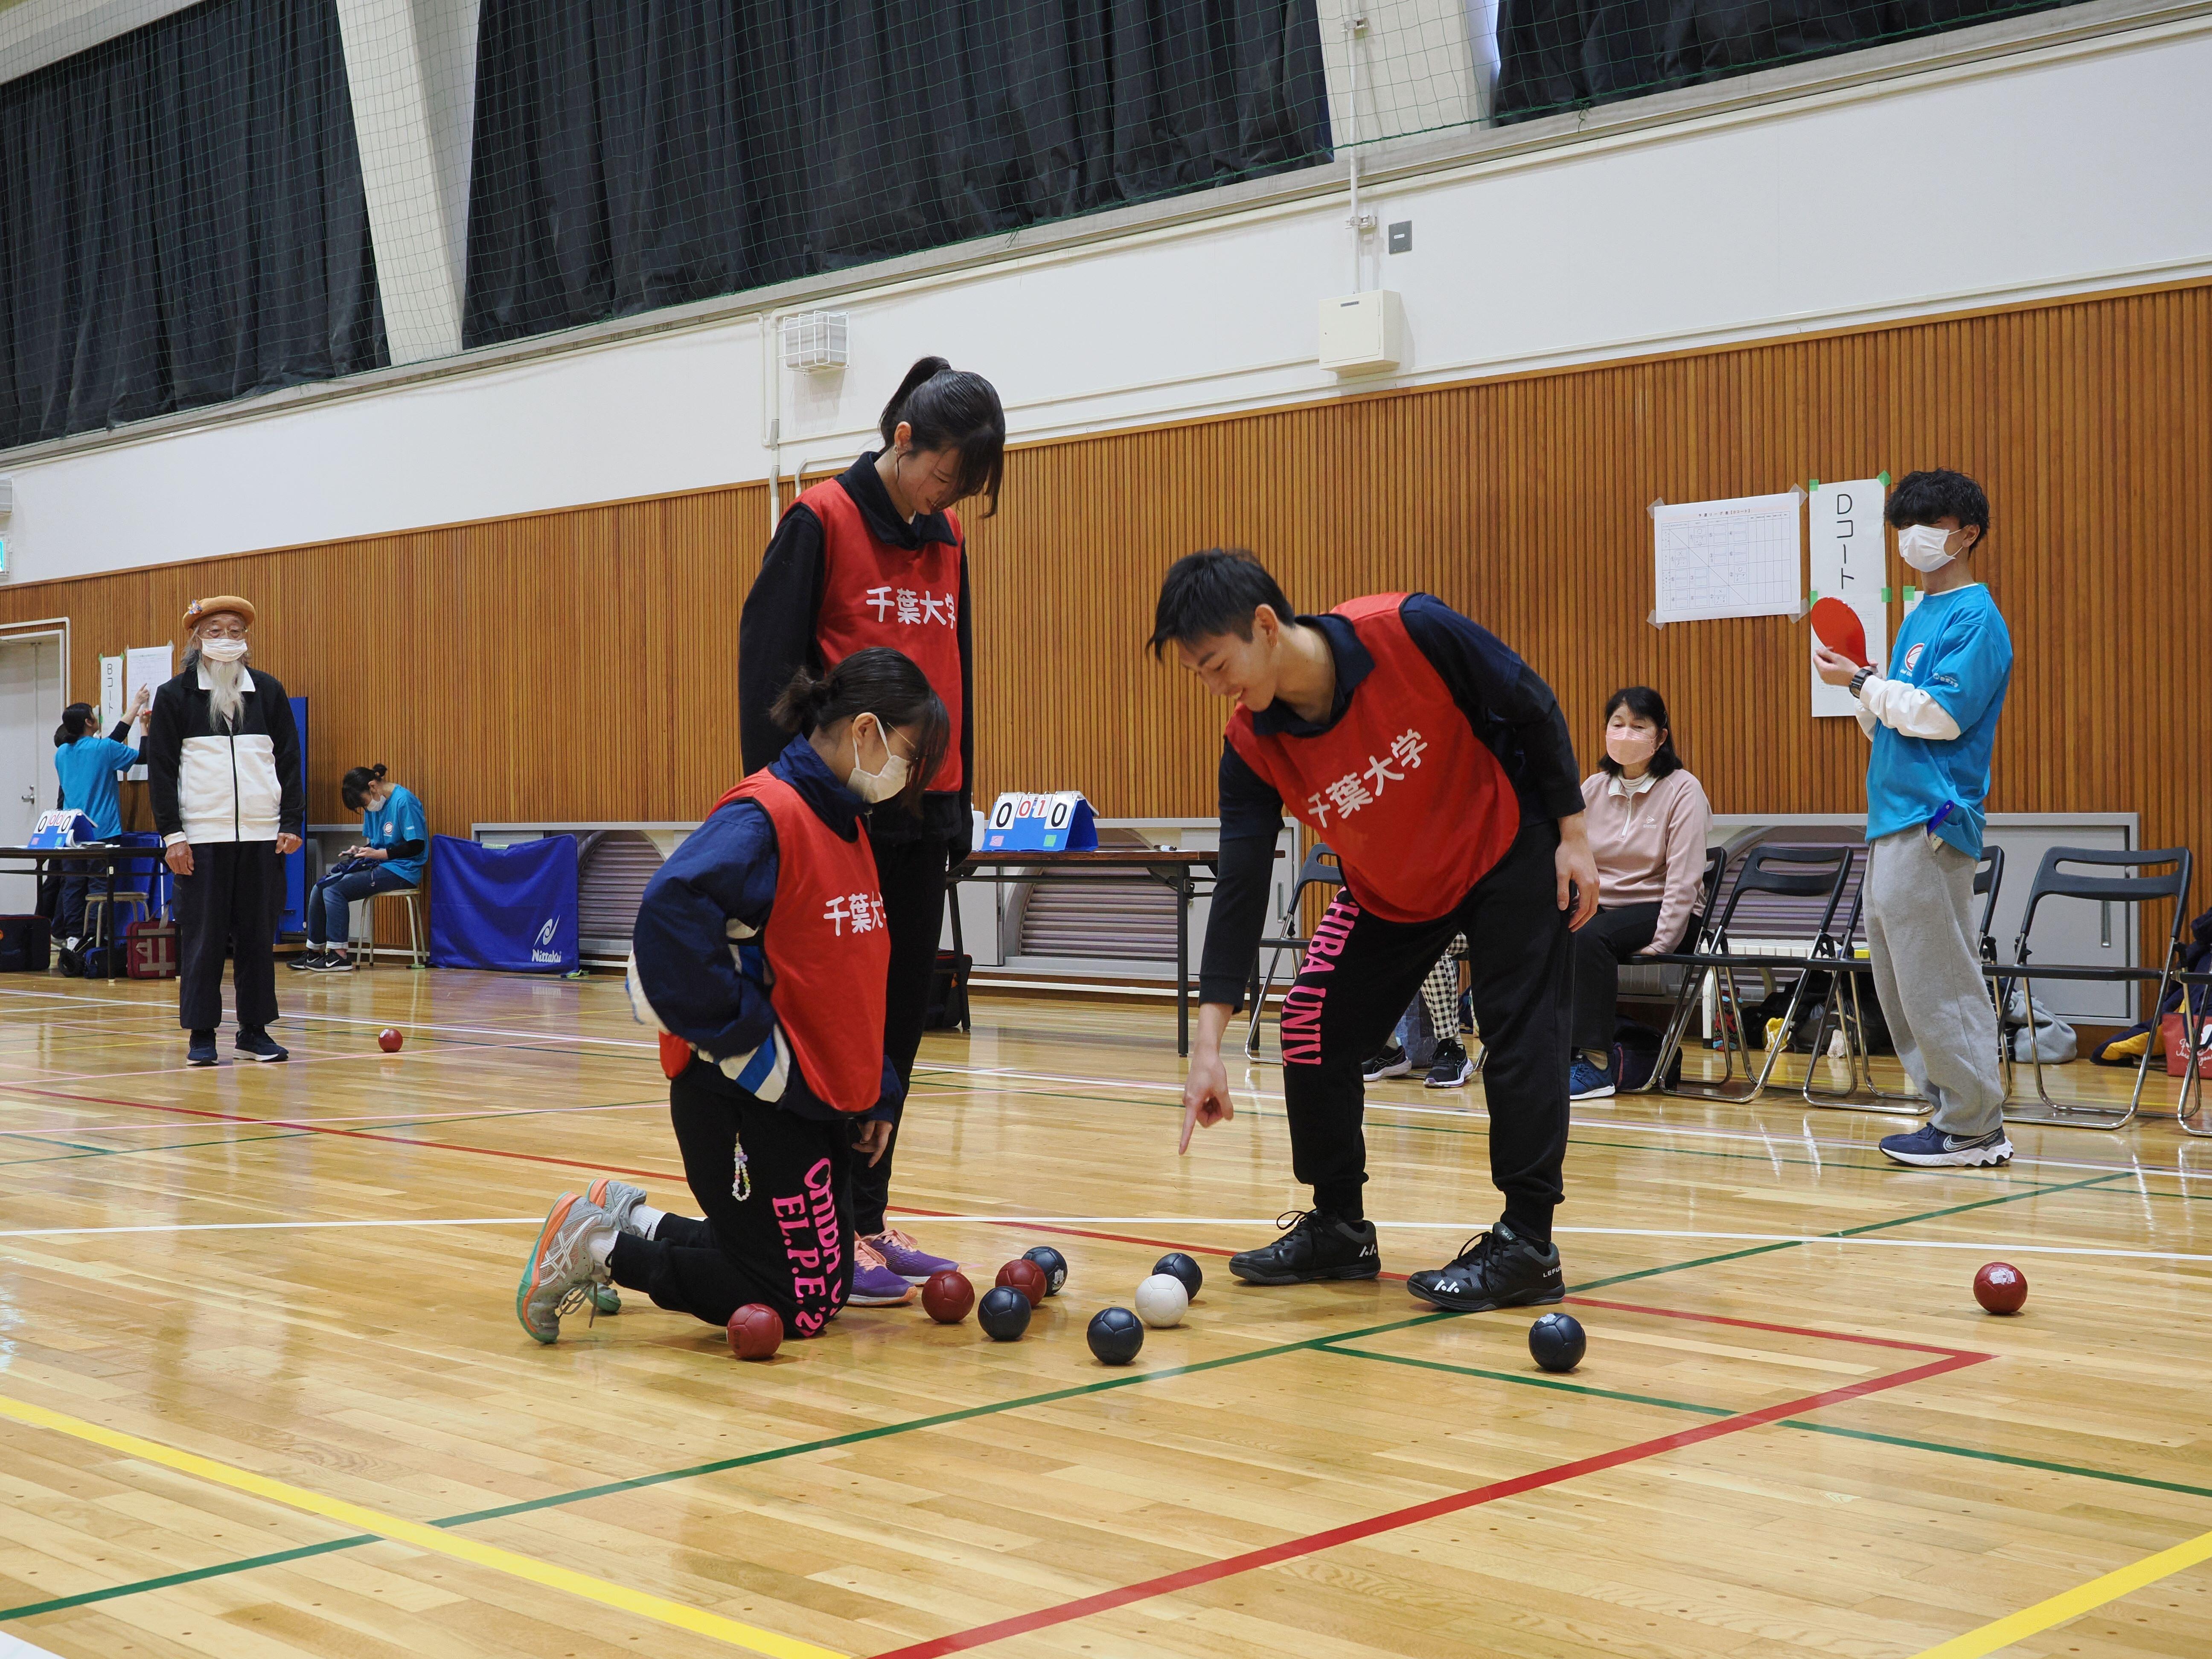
(377, 771)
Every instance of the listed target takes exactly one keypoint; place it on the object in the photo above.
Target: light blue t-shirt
(400, 818)
(87, 768)
(1956, 647)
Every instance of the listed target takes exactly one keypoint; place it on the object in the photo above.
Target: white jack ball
(1162, 1301)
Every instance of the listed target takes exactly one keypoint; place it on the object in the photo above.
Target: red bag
(2172, 1033)
(150, 949)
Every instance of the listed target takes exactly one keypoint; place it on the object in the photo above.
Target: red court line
(1290, 1549)
(350, 1134)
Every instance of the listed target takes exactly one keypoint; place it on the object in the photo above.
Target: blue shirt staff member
(395, 837)
(87, 764)
(1933, 722)
(876, 558)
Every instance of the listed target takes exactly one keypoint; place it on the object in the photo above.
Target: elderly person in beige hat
(230, 801)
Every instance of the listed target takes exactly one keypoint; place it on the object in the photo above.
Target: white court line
(348, 1019)
(268, 1227)
(1770, 1141)
(1998, 1246)
(238, 1121)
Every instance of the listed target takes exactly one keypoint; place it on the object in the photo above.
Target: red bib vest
(828, 954)
(1415, 805)
(873, 594)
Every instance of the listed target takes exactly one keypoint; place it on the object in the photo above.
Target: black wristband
(1859, 680)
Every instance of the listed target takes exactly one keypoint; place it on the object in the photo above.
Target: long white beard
(226, 689)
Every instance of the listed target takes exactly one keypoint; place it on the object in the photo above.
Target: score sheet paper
(1734, 558)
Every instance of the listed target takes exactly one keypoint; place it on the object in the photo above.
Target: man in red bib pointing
(1439, 766)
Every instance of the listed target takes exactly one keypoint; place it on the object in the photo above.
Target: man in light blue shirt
(1933, 722)
(87, 763)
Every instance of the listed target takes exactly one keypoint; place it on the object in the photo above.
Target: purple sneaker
(906, 1258)
(875, 1285)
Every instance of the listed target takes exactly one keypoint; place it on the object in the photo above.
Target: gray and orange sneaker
(562, 1270)
(874, 1285)
(618, 1199)
(906, 1258)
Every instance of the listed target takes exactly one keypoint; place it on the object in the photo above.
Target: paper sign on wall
(112, 699)
(1732, 558)
(147, 665)
(1850, 563)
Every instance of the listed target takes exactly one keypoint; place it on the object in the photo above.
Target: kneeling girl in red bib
(760, 955)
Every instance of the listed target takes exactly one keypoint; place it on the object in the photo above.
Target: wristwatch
(1859, 680)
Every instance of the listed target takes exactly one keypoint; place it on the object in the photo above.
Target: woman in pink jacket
(1647, 817)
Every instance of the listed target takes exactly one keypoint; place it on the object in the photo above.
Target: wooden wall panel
(581, 665)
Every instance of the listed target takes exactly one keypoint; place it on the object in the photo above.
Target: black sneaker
(1315, 1246)
(335, 962)
(256, 1043)
(1497, 1269)
(306, 963)
(201, 1050)
(1393, 1062)
(1452, 1068)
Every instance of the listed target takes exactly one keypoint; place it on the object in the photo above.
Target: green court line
(170, 1580)
(133, 1151)
(1526, 1381)
(1322, 1344)
(1522, 1379)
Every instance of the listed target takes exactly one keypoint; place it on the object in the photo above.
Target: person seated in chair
(1648, 817)
(395, 838)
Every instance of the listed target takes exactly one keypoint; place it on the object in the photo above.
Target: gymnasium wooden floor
(262, 1392)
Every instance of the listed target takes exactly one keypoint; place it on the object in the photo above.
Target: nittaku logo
(1912, 657)
(538, 952)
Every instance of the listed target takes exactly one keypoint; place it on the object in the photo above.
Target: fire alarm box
(1363, 333)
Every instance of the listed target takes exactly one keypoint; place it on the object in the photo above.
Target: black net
(186, 210)
(1557, 55)
(182, 221)
(631, 155)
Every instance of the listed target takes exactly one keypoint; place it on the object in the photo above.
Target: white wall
(2073, 168)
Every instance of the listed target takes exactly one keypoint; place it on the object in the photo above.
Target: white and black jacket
(212, 786)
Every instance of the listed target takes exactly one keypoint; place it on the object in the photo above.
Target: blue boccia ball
(1179, 1265)
(1556, 1343)
(1054, 1263)
(1004, 1313)
(1116, 1336)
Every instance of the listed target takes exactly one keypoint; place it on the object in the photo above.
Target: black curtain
(182, 221)
(632, 153)
(1567, 54)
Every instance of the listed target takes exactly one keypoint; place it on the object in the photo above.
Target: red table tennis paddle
(1840, 629)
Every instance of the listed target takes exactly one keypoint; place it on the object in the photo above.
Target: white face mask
(876, 785)
(1921, 546)
(222, 650)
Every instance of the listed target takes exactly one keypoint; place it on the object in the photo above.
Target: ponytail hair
(946, 408)
(355, 785)
(878, 681)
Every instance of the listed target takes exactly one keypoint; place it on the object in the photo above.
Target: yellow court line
(2072, 1604)
(416, 1535)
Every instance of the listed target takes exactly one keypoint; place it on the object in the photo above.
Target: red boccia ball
(755, 1332)
(948, 1297)
(389, 1039)
(2001, 1287)
(1025, 1276)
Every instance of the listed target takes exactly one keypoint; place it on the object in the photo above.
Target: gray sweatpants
(1927, 970)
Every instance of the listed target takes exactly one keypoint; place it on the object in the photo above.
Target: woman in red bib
(876, 558)
(761, 955)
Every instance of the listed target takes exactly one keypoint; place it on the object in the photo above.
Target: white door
(30, 709)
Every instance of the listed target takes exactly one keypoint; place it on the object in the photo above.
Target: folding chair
(1320, 869)
(1797, 871)
(1697, 935)
(2051, 881)
(1989, 878)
